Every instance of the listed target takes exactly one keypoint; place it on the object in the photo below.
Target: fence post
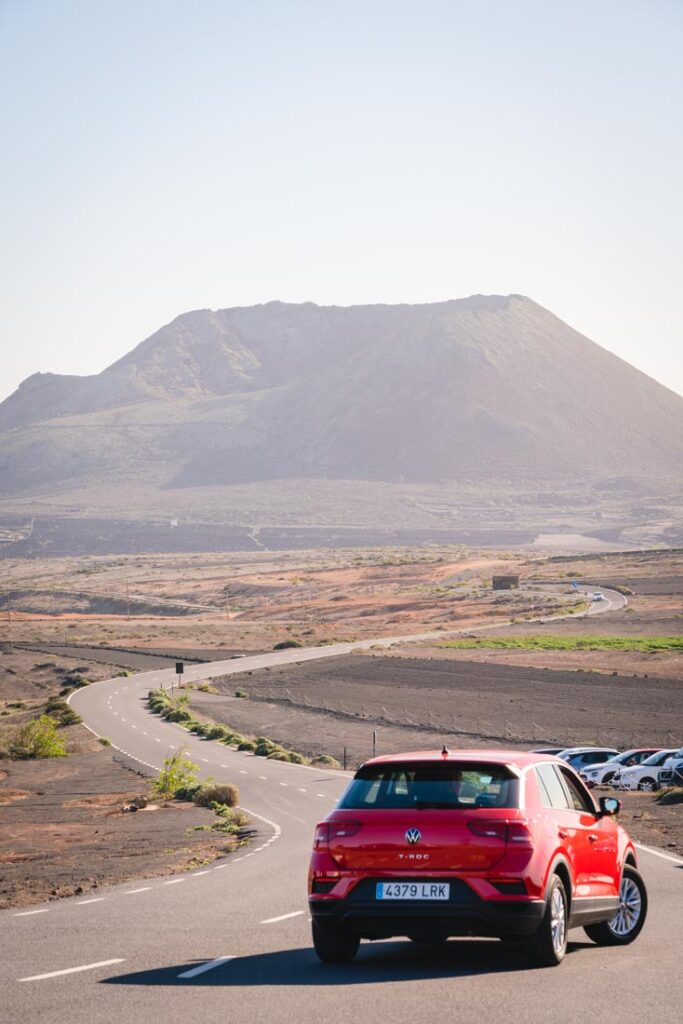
(344, 758)
(374, 743)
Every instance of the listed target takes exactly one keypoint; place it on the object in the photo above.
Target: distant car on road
(583, 757)
(601, 774)
(472, 842)
(598, 596)
(643, 776)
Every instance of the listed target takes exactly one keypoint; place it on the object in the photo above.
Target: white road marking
(205, 760)
(321, 794)
(196, 874)
(27, 913)
(264, 777)
(282, 917)
(95, 899)
(73, 970)
(133, 726)
(242, 772)
(132, 892)
(284, 783)
(301, 790)
(157, 739)
(174, 881)
(224, 766)
(144, 733)
(658, 853)
(209, 966)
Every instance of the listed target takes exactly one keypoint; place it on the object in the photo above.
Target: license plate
(412, 891)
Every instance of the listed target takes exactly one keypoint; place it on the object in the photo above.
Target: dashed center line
(302, 790)
(73, 970)
(132, 892)
(28, 913)
(243, 772)
(284, 783)
(95, 899)
(208, 966)
(174, 881)
(282, 917)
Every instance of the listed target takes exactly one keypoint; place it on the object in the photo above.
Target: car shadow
(376, 962)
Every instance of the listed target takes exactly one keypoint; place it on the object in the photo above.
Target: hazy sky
(166, 155)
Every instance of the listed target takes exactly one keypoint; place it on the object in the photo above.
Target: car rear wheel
(647, 785)
(629, 919)
(332, 945)
(549, 944)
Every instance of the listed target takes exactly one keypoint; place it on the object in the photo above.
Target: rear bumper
(464, 913)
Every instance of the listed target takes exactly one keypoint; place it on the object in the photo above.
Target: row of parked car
(644, 768)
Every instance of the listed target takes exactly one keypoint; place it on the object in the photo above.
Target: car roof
(517, 758)
(585, 750)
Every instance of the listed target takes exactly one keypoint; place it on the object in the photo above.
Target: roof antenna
(445, 751)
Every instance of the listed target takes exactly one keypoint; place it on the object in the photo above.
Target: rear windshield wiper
(435, 805)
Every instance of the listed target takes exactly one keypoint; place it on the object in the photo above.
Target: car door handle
(592, 837)
(562, 833)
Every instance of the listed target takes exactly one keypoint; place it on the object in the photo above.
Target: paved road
(232, 941)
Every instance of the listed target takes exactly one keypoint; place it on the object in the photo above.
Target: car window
(550, 789)
(579, 800)
(441, 786)
(596, 757)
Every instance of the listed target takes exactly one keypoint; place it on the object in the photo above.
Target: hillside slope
(490, 390)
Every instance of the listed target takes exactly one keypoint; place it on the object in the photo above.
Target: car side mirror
(609, 806)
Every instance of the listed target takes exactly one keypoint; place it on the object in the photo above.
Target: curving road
(232, 941)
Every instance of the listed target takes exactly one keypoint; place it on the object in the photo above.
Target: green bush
(61, 712)
(327, 760)
(241, 693)
(104, 741)
(178, 773)
(230, 819)
(224, 793)
(233, 739)
(279, 754)
(36, 739)
(246, 745)
(217, 732)
(284, 645)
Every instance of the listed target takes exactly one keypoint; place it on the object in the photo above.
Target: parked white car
(671, 772)
(643, 776)
(601, 774)
(583, 757)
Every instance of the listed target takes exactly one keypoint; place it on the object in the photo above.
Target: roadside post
(179, 669)
(374, 743)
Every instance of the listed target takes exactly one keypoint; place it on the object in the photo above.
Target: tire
(548, 945)
(607, 778)
(647, 785)
(332, 945)
(627, 923)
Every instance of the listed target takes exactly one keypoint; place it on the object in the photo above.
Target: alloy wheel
(558, 919)
(628, 913)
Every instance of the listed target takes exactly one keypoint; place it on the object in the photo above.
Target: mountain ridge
(488, 389)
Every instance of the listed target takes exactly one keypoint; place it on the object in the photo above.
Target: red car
(472, 842)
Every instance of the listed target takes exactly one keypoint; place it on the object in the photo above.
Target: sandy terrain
(63, 830)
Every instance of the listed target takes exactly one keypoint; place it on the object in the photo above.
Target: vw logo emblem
(413, 835)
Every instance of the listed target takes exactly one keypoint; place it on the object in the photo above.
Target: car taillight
(327, 831)
(516, 833)
(490, 829)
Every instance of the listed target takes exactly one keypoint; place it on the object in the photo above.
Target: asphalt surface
(232, 941)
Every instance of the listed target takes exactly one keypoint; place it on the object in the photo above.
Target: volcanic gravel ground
(63, 830)
(321, 708)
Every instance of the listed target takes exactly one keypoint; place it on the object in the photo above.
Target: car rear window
(441, 786)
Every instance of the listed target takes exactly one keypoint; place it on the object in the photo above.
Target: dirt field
(322, 708)
(63, 830)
